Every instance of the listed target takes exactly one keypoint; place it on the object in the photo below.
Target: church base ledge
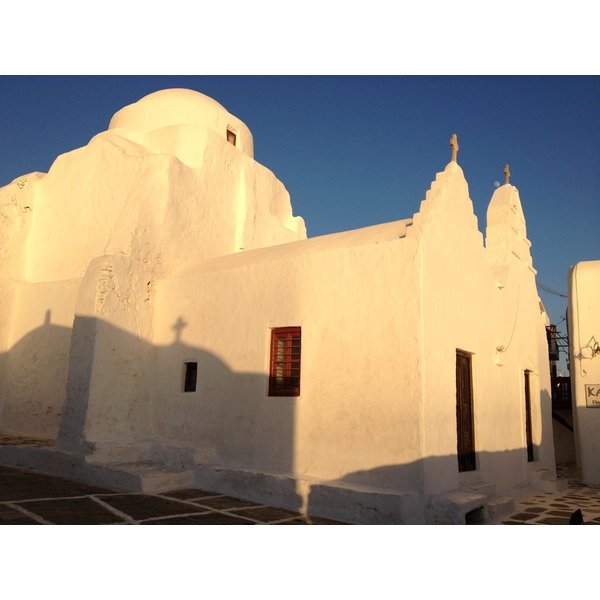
(120, 472)
(476, 505)
(154, 468)
(545, 480)
(338, 500)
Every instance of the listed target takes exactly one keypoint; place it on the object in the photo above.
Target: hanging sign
(592, 395)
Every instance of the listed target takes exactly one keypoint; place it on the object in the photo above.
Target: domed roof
(177, 106)
(163, 108)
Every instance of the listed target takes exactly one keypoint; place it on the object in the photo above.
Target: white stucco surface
(161, 243)
(584, 356)
(155, 115)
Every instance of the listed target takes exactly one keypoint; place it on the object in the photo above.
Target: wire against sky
(545, 288)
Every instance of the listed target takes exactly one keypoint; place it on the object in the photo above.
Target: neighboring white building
(584, 357)
(165, 320)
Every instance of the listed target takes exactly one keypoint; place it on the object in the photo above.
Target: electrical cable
(545, 288)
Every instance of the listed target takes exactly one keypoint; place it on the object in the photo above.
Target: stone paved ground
(556, 508)
(31, 498)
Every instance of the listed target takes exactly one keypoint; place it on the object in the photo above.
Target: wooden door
(464, 413)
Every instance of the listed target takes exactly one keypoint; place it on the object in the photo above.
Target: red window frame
(284, 364)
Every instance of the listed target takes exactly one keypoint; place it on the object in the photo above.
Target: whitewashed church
(166, 323)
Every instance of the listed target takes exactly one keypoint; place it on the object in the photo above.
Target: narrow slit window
(190, 375)
(528, 420)
(231, 137)
(284, 370)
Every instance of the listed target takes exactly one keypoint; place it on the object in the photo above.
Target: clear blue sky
(358, 150)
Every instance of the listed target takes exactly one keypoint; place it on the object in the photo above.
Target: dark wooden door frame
(465, 426)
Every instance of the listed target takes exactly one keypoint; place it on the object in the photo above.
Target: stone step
(451, 507)
(543, 474)
(498, 507)
(550, 485)
(105, 453)
(354, 503)
(143, 477)
(545, 480)
(468, 506)
(485, 488)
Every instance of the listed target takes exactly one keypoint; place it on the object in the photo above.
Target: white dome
(172, 107)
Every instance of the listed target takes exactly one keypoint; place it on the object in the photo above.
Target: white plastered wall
(357, 303)
(467, 306)
(99, 228)
(381, 323)
(584, 350)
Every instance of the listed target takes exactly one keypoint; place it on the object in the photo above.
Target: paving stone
(560, 513)
(225, 503)
(21, 484)
(11, 516)
(556, 509)
(73, 511)
(187, 494)
(293, 522)
(266, 514)
(318, 521)
(306, 520)
(524, 516)
(554, 521)
(63, 501)
(210, 518)
(142, 506)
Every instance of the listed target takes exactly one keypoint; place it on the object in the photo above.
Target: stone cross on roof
(506, 174)
(454, 145)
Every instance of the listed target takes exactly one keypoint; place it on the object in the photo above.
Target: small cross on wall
(454, 146)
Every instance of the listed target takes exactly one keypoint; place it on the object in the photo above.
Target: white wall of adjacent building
(584, 355)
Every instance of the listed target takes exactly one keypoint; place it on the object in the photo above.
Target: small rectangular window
(284, 370)
(231, 137)
(190, 374)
